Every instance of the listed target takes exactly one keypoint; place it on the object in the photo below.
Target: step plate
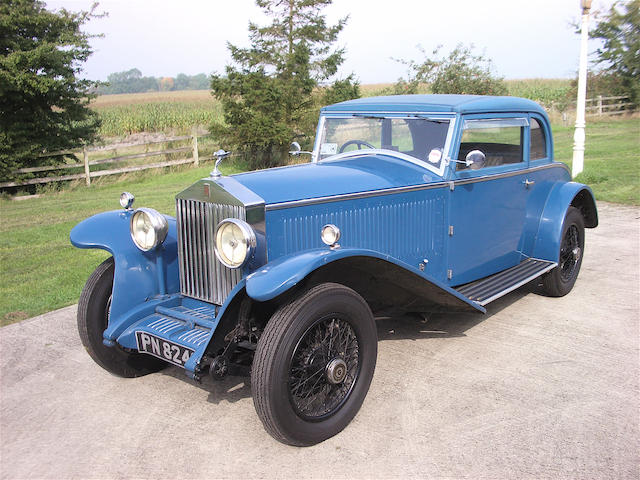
(495, 286)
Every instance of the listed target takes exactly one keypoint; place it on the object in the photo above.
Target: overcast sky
(523, 38)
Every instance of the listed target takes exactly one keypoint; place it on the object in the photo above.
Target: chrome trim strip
(410, 188)
(350, 196)
(517, 285)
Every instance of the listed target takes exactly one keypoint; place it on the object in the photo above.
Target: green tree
(462, 71)
(619, 55)
(43, 102)
(270, 92)
(129, 81)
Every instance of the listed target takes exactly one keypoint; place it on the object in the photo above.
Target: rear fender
(141, 279)
(562, 196)
(281, 275)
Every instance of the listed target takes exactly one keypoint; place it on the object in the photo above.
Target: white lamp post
(579, 135)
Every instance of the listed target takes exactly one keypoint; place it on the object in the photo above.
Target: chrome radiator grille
(202, 276)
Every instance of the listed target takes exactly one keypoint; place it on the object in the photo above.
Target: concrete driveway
(538, 387)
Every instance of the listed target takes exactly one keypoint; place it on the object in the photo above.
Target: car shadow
(445, 325)
(408, 327)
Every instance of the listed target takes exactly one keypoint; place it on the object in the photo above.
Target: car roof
(437, 104)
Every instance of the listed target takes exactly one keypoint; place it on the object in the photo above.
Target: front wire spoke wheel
(313, 364)
(324, 367)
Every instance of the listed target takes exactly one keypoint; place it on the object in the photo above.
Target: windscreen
(415, 136)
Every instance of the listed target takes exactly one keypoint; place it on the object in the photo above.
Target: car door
(488, 205)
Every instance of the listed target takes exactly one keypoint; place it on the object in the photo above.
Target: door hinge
(449, 274)
(452, 186)
(451, 230)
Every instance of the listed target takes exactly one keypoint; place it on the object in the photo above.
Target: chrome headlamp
(235, 242)
(148, 228)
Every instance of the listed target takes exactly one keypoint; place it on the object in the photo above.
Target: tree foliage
(461, 71)
(43, 102)
(132, 81)
(619, 55)
(270, 92)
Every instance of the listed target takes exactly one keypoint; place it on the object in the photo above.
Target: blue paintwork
(138, 275)
(280, 275)
(548, 237)
(408, 226)
(311, 180)
(497, 222)
(462, 104)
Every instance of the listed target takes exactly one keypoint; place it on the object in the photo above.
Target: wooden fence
(608, 105)
(194, 158)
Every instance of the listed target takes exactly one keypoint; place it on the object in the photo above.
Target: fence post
(600, 105)
(85, 156)
(194, 143)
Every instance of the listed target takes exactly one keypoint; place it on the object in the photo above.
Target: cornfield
(174, 112)
(179, 112)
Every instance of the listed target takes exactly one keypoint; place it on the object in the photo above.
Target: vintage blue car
(410, 204)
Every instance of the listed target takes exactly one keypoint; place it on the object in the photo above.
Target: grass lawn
(40, 270)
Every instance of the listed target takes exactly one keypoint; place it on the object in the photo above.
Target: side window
(501, 140)
(538, 141)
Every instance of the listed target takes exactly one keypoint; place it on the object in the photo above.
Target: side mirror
(475, 159)
(295, 148)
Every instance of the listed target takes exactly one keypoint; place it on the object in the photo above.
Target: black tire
(93, 313)
(290, 349)
(559, 281)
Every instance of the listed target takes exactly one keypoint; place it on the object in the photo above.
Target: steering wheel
(359, 143)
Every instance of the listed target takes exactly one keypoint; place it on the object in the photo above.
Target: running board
(495, 286)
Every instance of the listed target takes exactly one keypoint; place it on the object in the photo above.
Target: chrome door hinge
(449, 274)
(452, 186)
(451, 230)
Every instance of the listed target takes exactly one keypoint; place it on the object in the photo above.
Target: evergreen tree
(43, 102)
(268, 94)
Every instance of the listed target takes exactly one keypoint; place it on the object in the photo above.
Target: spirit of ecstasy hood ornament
(220, 155)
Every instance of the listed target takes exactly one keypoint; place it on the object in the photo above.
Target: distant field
(178, 112)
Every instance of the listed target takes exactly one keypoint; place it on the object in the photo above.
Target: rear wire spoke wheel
(314, 364)
(559, 281)
(93, 317)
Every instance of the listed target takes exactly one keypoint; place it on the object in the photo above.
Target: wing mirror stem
(297, 150)
(475, 160)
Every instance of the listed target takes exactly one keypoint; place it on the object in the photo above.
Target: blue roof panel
(436, 104)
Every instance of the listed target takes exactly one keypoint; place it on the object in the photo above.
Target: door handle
(528, 183)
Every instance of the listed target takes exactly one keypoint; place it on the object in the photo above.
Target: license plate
(161, 348)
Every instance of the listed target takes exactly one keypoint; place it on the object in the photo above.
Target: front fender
(561, 197)
(139, 276)
(278, 276)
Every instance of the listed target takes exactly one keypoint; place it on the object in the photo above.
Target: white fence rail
(608, 105)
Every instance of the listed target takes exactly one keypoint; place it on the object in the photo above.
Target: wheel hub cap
(336, 371)
(576, 253)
